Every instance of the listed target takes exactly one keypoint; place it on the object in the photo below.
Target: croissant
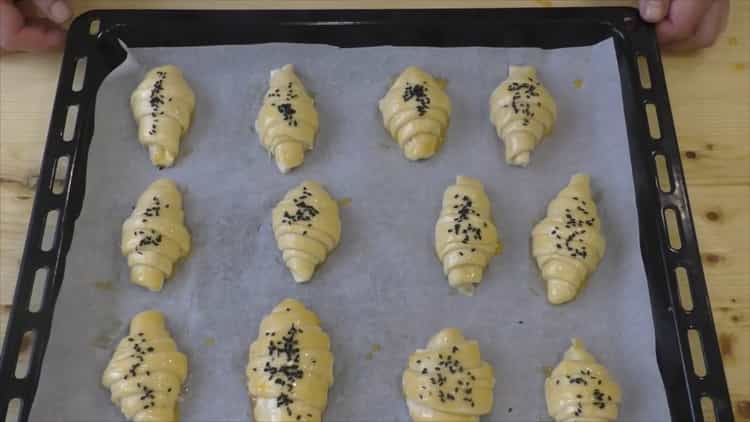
(154, 237)
(162, 105)
(580, 389)
(523, 112)
(146, 373)
(568, 244)
(416, 112)
(290, 367)
(448, 381)
(307, 227)
(287, 122)
(465, 235)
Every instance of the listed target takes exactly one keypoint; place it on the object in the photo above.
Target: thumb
(654, 10)
(57, 11)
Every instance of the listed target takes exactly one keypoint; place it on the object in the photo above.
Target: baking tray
(92, 40)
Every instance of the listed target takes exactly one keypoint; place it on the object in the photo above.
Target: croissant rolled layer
(288, 121)
(580, 389)
(416, 112)
(568, 244)
(307, 228)
(162, 106)
(154, 237)
(465, 234)
(147, 371)
(523, 112)
(290, 366)
(448, 380)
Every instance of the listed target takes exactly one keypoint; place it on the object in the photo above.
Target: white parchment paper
(383, 288)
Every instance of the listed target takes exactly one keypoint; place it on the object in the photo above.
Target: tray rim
(632, 37)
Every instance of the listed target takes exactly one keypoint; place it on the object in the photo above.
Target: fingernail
(59, 12)
(654, 11)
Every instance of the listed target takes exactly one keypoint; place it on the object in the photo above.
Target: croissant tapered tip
(148, 277)
(289, 304)
(285, 68)
(467, 289)
(559, 292)
(465, 275)
(147, 318)
(581, 179)
(289, 155)
(518, 146)
(164, 184)
(518, 71)
(301, 270)
(521, 160)
(577, 352)
(468, 181)
(444, 337)
(160, 157)
(421, 147)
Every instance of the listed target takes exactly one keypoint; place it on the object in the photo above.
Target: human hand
(32, 25)
(686, 24)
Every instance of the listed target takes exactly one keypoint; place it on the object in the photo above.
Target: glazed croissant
(287, 122)
(416, 112)
(465, 235)
(580, 389)
(154, 237)
(162, 105)
(568, 244)
(146, 373)
(523, 112)
(448, 381)
(290, 367)
(307, 227)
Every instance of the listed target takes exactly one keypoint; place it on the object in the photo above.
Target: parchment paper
(383, 288)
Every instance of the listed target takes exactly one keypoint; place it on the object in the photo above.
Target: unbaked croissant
(523, 112)
(580, 389)
(147, 371)
(154, 237)
(416, 112)
(465, 234)
(448, 381)
(307, 227)
(162, 105)
(568, 244)
(287, 122)
(290, 367)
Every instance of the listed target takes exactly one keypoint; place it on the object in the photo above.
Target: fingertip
(56, 11)
(59, 12)
(653, 10)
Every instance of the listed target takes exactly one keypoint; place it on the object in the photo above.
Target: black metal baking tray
(92, 40)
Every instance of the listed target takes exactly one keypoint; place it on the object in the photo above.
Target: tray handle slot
(71, 121)
(674, 232)
(28, 341)
(50, 230)
(696, 353)
(95, 26)
(41, 279)
(654, 130)
(683, 289)
(60, 178)
(643, 71)
(707, 408)
(14, 410)
(663, 176)
(79, 75)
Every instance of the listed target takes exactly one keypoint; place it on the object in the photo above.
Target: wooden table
(710, 95)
